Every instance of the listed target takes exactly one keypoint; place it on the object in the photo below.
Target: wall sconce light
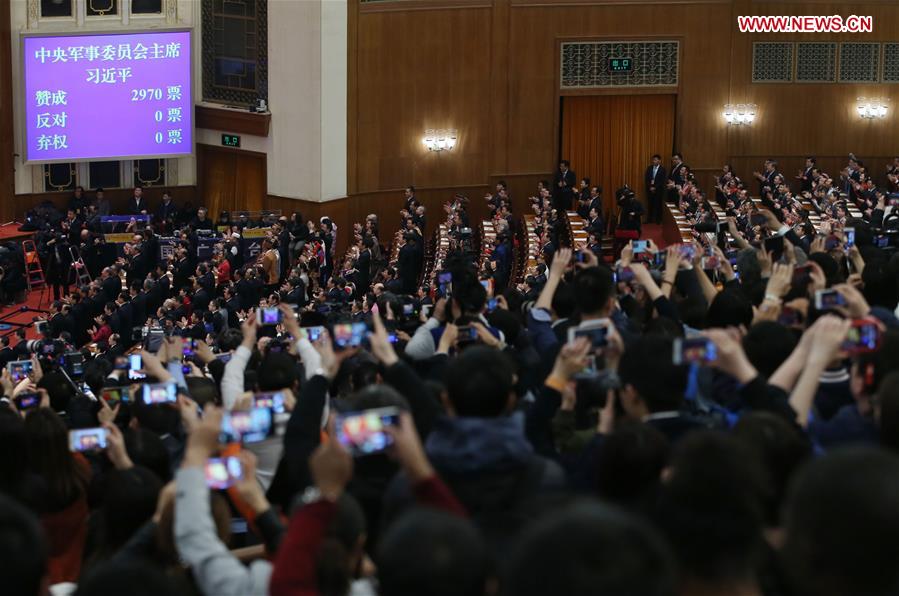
(872, 108)
(440, 140)
(740, 114)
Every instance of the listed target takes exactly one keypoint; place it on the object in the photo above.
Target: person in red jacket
(325, 541)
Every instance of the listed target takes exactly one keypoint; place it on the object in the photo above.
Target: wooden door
(230, 179)
(611, 138)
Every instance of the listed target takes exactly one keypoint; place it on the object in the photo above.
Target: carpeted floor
(16, 314)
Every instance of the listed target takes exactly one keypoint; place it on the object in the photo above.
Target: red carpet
(15, 314)
(11, 232)
(654, 232)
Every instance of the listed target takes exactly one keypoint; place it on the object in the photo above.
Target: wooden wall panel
(416, 70)
(502, 76)
(7, 145)
(796, 119)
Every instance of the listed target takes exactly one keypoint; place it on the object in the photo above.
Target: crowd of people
(440, 415)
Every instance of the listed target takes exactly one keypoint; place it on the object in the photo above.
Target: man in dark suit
(56, 322)
(6, 353)
(183, 271)
(111, 283)
(363, 267)
(125, 314)
(166, 213)
(805, 176)
(409, 263)
(138, 303)
(766, 179)
(563, 187)
(655, 188)
(137, 205)
(679, 169)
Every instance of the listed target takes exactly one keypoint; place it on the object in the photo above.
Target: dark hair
(630, 463)
(664, 389)
(129, 501)
(729, 308)
(13, 455)
(479, 382)
(589, 548)
(23, 551)
(656, 156)
(145, 448)
(677, 155)
(50, 458)
(711, 507)
(842, 525)
(564, 301)
(564, 162)
(768, 344)
(593, 287)
(341, 539)
(780, 447)
(431, 552)
(277, 371)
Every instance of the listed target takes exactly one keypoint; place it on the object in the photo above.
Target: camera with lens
(45, 347)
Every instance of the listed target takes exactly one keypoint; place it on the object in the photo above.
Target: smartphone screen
(849, 237)
(19, 369)
(160, 393)
(694, 349)
(27, 401)
(250, 426)
(640, 246)
(349, 335)
(828, 299)
(313, 334)
(863, 336)
(223, 472)
(597, 334)
(363, 433)
(135, 363)
(87, 439)
(271, 399)
(270, 315)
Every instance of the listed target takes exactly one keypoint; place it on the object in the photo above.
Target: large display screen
(108, 96)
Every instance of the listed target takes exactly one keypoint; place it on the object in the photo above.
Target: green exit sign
(231, 140)
(621, 64)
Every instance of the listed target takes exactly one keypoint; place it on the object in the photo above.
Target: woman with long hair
(66, 475)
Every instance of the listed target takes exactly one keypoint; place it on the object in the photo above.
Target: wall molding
(417, 5)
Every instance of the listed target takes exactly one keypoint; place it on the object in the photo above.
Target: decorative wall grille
(816, 62)
(772, 62)
(586, 64)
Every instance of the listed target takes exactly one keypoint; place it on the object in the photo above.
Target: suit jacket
(806, 183)
(677, 173)
(6, 355)
(57, 325)
(135, 206)
(139, 306)
(658, 181)
(181, 277)
(112, 286)
(363, 272)
(408, 267)
(164, 212)
(565, 193)
(126, 322)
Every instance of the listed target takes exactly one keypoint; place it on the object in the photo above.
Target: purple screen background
(102, 121)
